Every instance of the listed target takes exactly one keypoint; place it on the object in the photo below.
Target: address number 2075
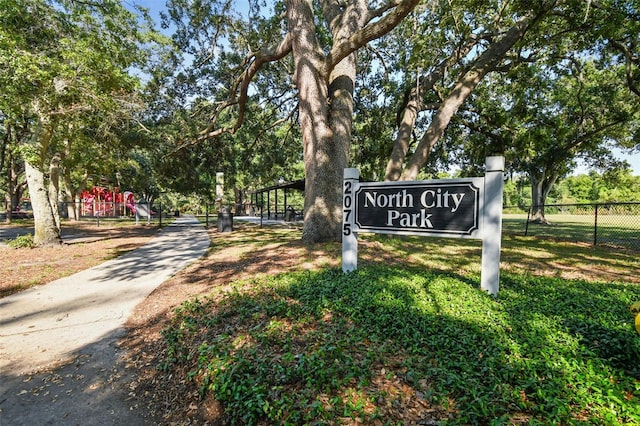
(347, 208)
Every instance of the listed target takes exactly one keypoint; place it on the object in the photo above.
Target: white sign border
(476, 233)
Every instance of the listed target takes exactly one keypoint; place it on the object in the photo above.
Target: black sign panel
(447, 207)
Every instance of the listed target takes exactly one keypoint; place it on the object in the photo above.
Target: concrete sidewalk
(81, 317)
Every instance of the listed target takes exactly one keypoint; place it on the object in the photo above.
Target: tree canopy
(264, 90)
(67, 69)
(373, 83)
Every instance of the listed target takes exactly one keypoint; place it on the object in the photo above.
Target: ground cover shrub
(387, 344)
(22, 241)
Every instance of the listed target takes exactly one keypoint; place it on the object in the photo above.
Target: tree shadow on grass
(518, 255)
(595, 314)
(464, 345)
(402, 344)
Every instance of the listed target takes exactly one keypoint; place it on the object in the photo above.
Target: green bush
(23, 241)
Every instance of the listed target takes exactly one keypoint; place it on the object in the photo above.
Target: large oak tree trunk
(46, 232)
(9, 199)
(441, 120)
(464, 87)
(14, 171)
(54, 188)
(412, 106)
(71, 195)
(325, 80)
(326, 114)
(71, 198)
(401, 145)
(540, 187)
(46, 226)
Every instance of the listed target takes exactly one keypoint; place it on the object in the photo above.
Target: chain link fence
(600, 224)
(614, 225)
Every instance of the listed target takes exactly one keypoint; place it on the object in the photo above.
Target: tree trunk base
(540, 221)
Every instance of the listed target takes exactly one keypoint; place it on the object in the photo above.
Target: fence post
(595, 227)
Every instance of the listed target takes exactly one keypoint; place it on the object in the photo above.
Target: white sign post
(349, 233)
(492, 224)
(453, 208)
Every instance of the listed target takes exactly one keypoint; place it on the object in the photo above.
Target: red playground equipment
(106, 202)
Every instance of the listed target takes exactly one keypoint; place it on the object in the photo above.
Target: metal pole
(269, 204)
(285, 200)
(595, 227)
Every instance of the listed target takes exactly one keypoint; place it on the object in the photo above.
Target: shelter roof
(296, 184)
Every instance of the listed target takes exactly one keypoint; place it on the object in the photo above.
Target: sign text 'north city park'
(420, 208)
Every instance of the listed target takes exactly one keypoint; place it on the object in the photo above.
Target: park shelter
(273, 199)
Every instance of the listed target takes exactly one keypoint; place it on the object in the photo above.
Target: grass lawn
(409, 338)
(612, 230)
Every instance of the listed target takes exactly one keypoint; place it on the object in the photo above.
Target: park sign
(455, 208)
(448, 207)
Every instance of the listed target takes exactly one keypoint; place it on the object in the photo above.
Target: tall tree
(480, 37)
(621, 36)
(317, 44)
(437, 53)
(59, 61)
(12, 178)
(611, 187)
(545, 118)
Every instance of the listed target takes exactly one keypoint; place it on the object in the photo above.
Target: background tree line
(71, 99)
(617, 187)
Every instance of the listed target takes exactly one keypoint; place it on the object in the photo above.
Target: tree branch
(579, 139)
(71, 109)
(397, 10)
(254, 61)
(264, 130)
(629, 61)
(376, 13)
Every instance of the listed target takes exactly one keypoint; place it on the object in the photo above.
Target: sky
(632, 159)
(155, 6)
